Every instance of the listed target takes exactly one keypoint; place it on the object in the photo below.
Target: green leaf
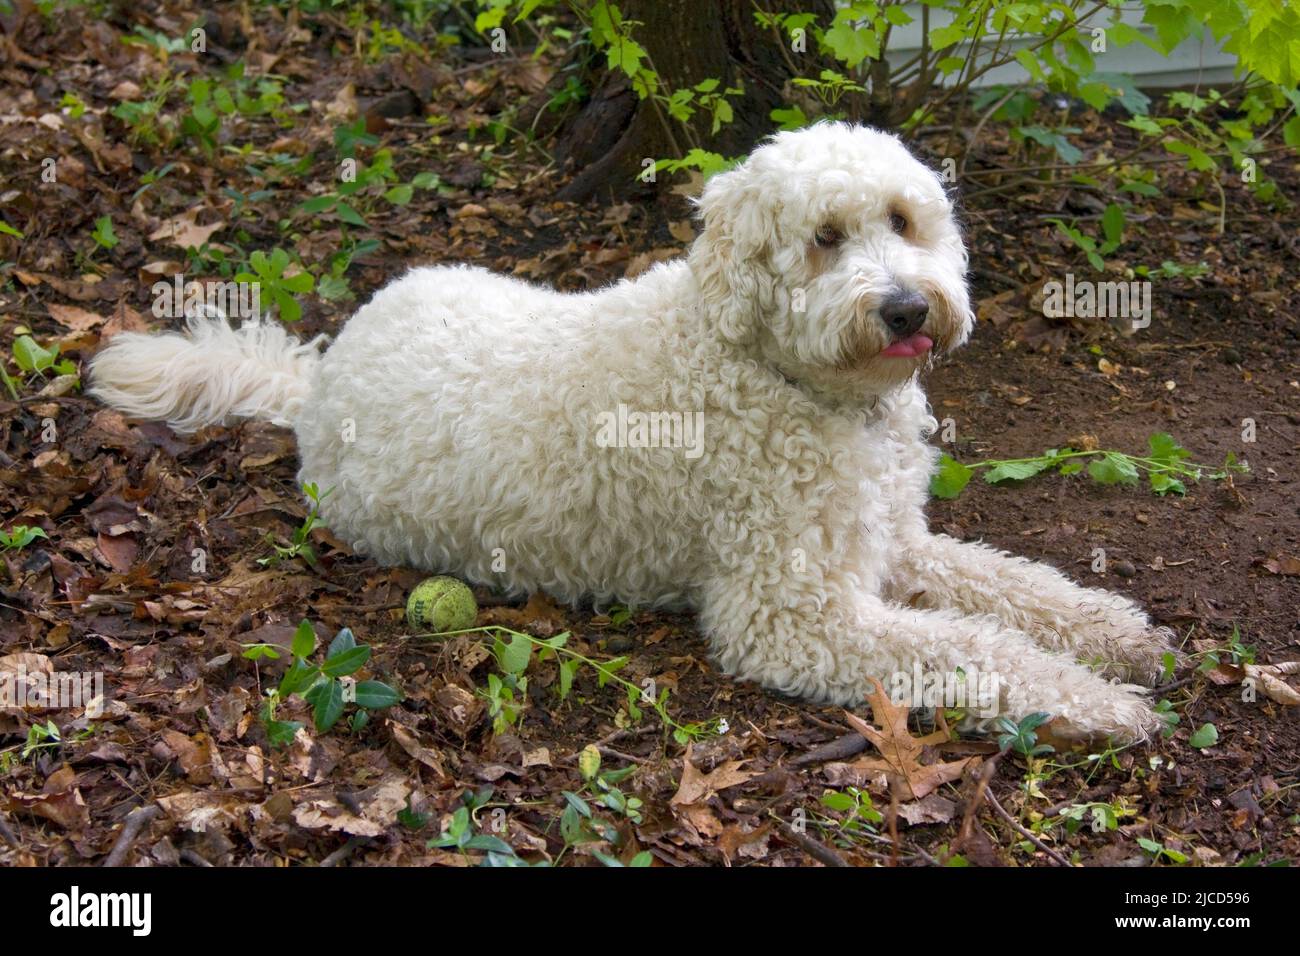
(349, 215)
(373, 695)
(304, 640)
(567, 671)
(31, 357)
(400, 195)
(1016, 470)
(950, 478)
(1206, 737)
(346, 662)
(580, 805)
(344, 640)
(1164, 448)
(1162, 484)
(297, 678)
(789, 118)
(1112, 224)
(328, 706)
(280, 733)
(318, 204)
(1112, 469)
(514, 656)
(852, 45)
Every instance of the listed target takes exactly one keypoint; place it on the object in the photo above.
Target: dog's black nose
(904, 313)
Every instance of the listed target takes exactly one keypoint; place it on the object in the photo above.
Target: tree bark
(608, 141)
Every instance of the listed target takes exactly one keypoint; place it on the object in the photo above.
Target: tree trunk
(609, 140)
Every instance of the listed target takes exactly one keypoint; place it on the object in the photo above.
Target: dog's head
(833, 254)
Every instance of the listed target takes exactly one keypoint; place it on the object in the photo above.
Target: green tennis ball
(441, 604)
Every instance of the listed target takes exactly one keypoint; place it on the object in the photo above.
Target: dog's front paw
(1120, 713)
(1125, 643)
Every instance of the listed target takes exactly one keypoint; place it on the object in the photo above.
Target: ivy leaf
(1207, 736)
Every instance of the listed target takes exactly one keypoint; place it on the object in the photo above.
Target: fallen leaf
(696, 787)
(71, 317)
(900, 750)
(184, 232)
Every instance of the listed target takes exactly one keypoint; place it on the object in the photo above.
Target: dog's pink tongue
(910, 347)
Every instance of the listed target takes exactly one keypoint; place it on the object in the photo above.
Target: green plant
(460, 834)
(1022, 737)
(20, 537)
(1100, 816)
(1166, 466)
(1112, 226)
(103, 233)
(269, 273)
(1204, 738)
(515, 651)
(1159, 850)
(321, 685)
(41, 736)
(859, 813)
(34, 360)
(1234, 648)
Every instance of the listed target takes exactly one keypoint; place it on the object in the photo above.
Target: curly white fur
(456, 422)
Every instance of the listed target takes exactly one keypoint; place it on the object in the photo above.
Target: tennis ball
(441, 604)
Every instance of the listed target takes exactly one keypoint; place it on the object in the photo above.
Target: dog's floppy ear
(725, 258)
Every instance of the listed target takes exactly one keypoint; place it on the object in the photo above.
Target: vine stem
(599, 667)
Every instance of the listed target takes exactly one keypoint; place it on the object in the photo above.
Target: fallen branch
(818, 851)
(1026, 833)
(136, 820)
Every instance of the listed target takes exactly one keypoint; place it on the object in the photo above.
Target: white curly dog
(740, 431)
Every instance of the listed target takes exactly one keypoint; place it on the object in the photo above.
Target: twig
(6, 832)
(968, 818)
(342, 853)
(818, 851)
(838, 749)
(1027, 834)
(136, 820)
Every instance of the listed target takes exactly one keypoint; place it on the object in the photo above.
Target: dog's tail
(209, 374)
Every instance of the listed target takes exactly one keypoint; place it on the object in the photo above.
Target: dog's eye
(828, 237)
(898, 222)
